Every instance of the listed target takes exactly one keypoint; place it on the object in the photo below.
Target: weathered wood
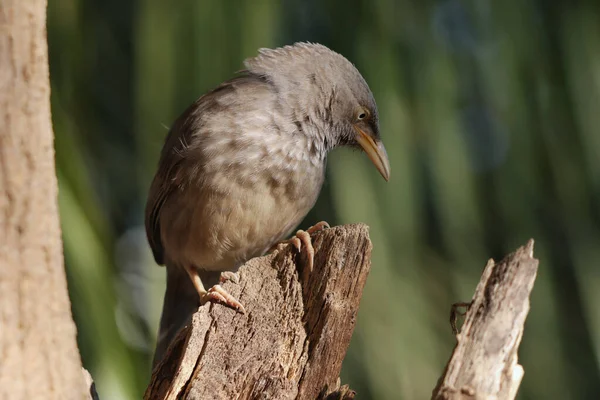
(39, 356)
(290, 343)
(484, 363)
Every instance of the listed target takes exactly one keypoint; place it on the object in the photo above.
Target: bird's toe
(229, 276)
(318, 227)
(306, 249)
(217, 294)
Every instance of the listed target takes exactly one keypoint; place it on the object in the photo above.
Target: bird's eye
(362, 114)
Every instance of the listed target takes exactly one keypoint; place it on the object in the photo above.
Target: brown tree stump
(290, 343)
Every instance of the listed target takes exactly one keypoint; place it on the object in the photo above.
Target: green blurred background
(490, 114)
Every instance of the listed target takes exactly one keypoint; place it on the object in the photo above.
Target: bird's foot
(302, 241)
(217, 294)
(318, 227)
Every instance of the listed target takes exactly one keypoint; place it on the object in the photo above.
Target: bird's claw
(302, 241)
(217, 294)
(318, 227)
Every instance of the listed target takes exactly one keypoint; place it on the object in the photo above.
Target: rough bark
(290, 343)
(39, 355)
(484, 363)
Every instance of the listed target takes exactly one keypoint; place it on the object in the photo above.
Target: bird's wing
(165, 182)
(177, 155)
(170, 175)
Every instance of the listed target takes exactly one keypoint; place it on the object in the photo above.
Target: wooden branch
(290, 343)
(484, 363)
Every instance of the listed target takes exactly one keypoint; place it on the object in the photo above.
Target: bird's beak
(375, 151)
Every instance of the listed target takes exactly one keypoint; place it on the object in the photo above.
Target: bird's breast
(246, 204)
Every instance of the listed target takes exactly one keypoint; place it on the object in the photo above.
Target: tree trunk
(40, 359)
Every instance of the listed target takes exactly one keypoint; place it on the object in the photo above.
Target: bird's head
(322, 88)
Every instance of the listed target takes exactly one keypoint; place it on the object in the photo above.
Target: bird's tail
(180, 303)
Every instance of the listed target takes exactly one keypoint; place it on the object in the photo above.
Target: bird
(244, 164)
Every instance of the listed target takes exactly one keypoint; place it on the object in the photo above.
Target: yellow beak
(376, 153)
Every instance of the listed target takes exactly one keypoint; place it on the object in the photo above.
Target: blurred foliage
(489, 111)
